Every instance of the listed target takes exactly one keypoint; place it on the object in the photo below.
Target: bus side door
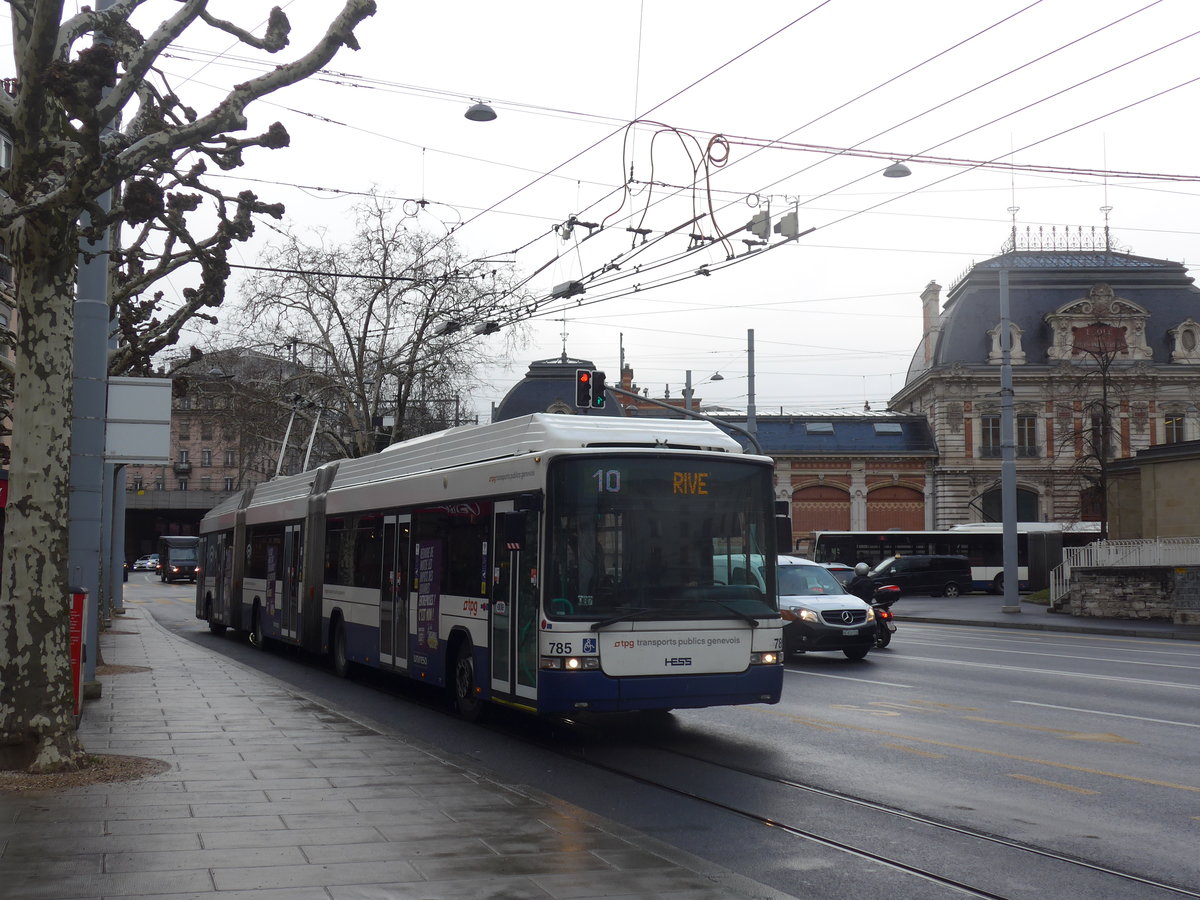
(514, 603)
(394, 592)
(293, 557)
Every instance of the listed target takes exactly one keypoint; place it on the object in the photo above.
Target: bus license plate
(850, 632)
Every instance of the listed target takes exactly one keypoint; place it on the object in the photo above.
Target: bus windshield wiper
(754, 623)
(625, 617)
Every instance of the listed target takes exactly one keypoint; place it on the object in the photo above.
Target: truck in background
(177, 560)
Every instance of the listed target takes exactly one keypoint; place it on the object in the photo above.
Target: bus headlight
(767, 658)
(571, 663)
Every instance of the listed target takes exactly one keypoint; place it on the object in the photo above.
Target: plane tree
(90, 111)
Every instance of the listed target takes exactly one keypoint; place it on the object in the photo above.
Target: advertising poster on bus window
(429, 580)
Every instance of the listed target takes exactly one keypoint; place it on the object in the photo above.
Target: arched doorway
(895, 506)
(820, 508)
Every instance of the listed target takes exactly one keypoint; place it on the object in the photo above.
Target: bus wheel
(464, 696)
(257, 638)
(214, 627)
(337, 650)
(951, 590)
(998, 584)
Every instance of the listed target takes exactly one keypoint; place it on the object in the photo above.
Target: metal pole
(283, 446)
(1008, 456)
(751, 422)
(311, 437)
(687, 391)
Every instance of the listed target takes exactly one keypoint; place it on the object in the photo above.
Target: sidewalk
(342, 812)
(986, 610)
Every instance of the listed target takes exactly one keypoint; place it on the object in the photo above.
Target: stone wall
(1170, 593)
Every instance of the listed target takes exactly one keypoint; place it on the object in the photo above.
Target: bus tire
(998, 584)
(337, 649)
(257, 638)
(464, 694)
(950, 590)
(215, 627)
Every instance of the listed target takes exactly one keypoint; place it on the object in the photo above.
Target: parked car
(819, 614)
(945, 576)
(145, 563)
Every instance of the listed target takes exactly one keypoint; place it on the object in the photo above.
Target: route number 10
(608, 481)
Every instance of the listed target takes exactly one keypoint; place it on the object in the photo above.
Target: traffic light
(583, 388)
(760, 225)
(597, 390)
(787, 226)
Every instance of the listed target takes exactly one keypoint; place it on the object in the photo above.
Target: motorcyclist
(860, 585)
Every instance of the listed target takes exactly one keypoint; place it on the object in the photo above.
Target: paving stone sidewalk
(271, 795)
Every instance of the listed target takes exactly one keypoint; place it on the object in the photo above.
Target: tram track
(1116, 883)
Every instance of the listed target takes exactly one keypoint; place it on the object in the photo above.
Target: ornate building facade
(1105, 358)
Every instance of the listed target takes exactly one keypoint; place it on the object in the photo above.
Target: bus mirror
(513, 530)
(783, 534)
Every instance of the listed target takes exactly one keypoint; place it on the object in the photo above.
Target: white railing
(1184, 551)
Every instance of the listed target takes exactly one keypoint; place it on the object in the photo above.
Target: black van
(917, 574)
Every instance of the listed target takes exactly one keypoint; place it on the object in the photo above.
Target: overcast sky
(836, 313)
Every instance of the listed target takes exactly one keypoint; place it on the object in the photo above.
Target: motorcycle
(885, 595)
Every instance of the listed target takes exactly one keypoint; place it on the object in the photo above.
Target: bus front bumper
(564, 692)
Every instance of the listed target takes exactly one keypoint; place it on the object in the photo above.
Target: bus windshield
(649, 534)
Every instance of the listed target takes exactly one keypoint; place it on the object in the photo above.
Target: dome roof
(549, 386)
(1041, 284)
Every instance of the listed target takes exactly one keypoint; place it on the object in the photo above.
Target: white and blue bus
(982, 544)
(553, 563)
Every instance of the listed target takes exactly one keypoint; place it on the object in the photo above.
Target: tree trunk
(37, 728)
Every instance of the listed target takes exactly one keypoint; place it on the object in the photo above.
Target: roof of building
(879, 434)
(1044, 281)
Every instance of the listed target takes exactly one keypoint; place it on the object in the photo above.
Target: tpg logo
(677, 661)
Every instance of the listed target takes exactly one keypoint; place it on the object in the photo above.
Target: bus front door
(293, 557)
(514, 605)
(393, 592)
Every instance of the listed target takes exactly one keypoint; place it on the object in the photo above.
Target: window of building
(206, 457)
(1026, 428)
(206, 431)
(184, 403)
(1101, 437)
(158, 484)
(230, 458)
(818, 427)
(206, 483)
(1091, 504)
(183, 484)
(1172, 428)
(185, 431)
(137, 484)
(183, 456)
(888, 428)
(229, 484)
(989, 436)
(6, 149)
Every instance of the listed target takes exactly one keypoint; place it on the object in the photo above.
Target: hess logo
(677, 661)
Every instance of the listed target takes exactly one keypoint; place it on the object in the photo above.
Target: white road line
(1096, 712)
(1124, 679)
(848, 678)
(1101, 659)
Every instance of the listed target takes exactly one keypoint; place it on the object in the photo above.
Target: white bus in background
(554, 563)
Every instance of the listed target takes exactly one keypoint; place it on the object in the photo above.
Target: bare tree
(72, 143)
(383, 328)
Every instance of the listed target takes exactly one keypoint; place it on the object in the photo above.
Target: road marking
(1053, 784)
(1165, 646)
(824, 726)
(869, 712)
(1125, 680)
(915, 751)
(1097, 712)
(848, 678)
(1124, 662)
(1108, 738)
(925, 706)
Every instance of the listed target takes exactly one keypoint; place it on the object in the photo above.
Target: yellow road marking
(915, 751)
(1101, 737)
(826, 726)
(1053, 784)
(869, 712)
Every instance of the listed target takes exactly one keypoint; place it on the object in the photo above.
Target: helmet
(862, 569)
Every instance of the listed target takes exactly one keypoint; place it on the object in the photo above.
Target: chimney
(930, 314)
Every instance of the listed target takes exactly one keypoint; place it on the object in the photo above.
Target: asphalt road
(1080, 745)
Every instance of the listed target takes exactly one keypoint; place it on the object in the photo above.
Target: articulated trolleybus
(553, 563)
